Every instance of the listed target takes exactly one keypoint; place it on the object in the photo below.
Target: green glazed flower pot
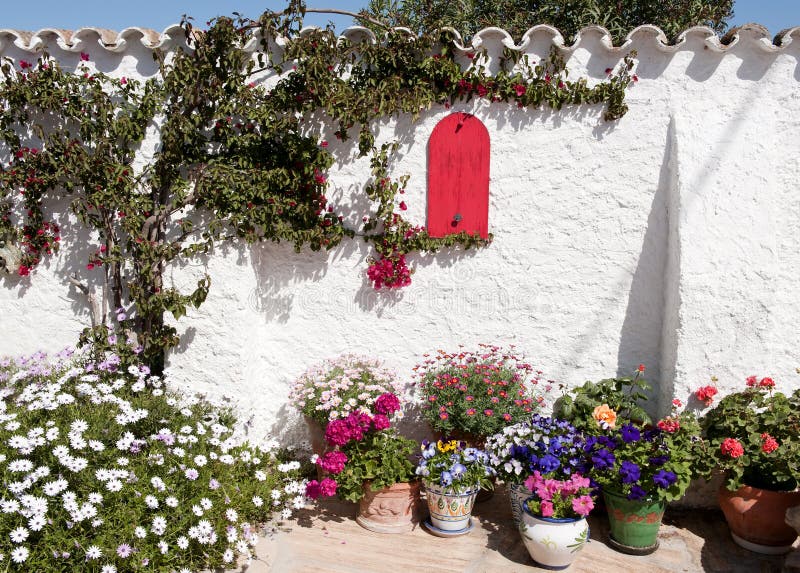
(634, 523)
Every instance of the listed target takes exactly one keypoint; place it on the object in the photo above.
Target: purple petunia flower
(637, 493)
(603, 459)
(664, 478)
(630, 433)
(629, 472)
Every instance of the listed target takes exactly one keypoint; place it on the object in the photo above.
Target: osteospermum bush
(104, 470)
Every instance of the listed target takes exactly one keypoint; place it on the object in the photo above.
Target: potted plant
(370, 463)
(639, 469)
(554, 527)
(452, 473)
(611, 402)
(338, 387)
(550, 446)
(471, 395)
(752, 436)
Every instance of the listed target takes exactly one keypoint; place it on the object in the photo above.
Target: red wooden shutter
(458, 177)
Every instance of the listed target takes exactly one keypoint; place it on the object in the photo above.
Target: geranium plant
(455, 466)
(610, 401)
(476, 394)
(365, 449)
(646, 462)
(541, 444)
(336, 388)
(752, 435)
(107, 470)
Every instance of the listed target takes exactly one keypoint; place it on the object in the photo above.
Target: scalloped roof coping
(118, 41)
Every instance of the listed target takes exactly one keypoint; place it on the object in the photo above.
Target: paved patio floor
(328, 540)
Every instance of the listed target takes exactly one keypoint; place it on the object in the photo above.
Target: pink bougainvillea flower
(732, 447)
(84, 57)
(520, 89)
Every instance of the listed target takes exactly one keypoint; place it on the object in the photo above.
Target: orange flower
(605, 416)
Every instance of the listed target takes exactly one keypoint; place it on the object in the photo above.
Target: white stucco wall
(670, 238)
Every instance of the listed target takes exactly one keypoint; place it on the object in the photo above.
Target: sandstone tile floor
(328, 540)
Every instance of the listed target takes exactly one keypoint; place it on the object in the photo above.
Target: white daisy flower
(93, 552)
(20, 554)
(19, 535)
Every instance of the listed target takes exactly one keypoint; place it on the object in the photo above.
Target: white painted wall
(670, 238)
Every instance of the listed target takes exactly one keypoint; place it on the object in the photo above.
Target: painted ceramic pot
(517, 494)
(393, 509)
(450, 508)
(553, 543)
(634, 523)
(757, 516)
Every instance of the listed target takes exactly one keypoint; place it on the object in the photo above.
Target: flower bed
(106, 470)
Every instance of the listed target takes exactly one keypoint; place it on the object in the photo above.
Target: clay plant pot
(393, 509)
(757, 516)
(316, 435)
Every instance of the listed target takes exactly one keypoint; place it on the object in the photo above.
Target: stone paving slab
(328, 540)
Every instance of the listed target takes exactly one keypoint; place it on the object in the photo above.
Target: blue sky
(158, 14)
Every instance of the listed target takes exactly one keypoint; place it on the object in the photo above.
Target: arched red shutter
(458, 177)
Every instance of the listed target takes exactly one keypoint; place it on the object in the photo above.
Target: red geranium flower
(732, 447)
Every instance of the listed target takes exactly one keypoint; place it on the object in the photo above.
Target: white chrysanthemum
(197, 510)
(151, 502)
(260, 476)
(200, 461)
(114, 485)
(163, 547)
(96, 446)
(257, 501)
(231, 515)
(19, 535)
(286, 513)
(227, 556)
(171, 501)
(79, 426)
(95, 497)
(20, 465)
(140, 532)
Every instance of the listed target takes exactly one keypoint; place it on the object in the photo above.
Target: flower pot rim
(550, 519)
(449, 489)
(649, 499)
(367, 484)
(748, 486)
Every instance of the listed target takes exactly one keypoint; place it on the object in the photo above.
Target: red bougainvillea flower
(677, 403)
(403, 206)
(706, 394)
(640, 368)
(766, 383)
(731, 447)
(768, 443)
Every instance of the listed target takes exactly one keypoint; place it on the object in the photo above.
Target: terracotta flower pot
(756, 518)
(316, 435)
(394, 509)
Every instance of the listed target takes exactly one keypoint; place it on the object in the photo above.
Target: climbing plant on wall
(236, 160)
